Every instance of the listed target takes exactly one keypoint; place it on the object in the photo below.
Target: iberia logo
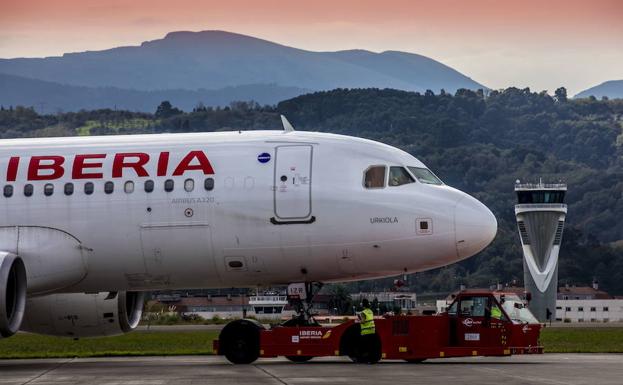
(311, 334)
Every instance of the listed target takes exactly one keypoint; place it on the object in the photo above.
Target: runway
(551, 369)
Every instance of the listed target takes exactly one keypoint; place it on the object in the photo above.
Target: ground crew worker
(369, 350)
(496, 312)
(366, 317)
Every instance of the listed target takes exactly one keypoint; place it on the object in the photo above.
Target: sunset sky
(538, 44)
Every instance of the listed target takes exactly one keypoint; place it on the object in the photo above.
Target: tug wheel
(240, 341)
(361, 349)
(416, 361)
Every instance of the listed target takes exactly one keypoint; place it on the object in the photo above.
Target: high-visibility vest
(496, 313)
(367, 323)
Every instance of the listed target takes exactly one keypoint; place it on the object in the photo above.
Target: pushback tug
(477, 323)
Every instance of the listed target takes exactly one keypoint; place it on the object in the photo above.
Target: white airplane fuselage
(282, 207)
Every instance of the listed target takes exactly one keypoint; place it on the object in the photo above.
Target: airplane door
(292, 183)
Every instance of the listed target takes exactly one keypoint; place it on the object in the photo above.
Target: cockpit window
(374, 177)
(424, 175)
(399, 176)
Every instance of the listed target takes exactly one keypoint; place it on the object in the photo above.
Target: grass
(582, 340)
(139, 343)
(164, 343)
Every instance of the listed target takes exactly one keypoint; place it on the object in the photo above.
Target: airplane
(89, 224)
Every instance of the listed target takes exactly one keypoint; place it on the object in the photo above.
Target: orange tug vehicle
(477, 323)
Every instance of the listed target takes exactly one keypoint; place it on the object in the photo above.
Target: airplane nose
(475, 226)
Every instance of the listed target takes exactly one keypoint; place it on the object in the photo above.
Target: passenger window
(209, 184)
(168, 185)
(399, 176)
(69, 188)
(149, 186)
(375, 177)
(189, 185)
(88, 188)
(48, 189)
(8, 191)
(28, 190)
(109, 187)
(128, 187)
(424, 175)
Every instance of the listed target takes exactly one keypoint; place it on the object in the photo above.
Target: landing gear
(300, 297)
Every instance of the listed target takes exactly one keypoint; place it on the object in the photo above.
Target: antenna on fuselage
(287, 127)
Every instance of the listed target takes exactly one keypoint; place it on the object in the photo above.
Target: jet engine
(12, 293)
(79, 315)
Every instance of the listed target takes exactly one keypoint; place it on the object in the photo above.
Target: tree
(340, 299)
(561, 94)
(166, 110)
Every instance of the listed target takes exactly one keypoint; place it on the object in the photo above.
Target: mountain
(612, 89)
(51, 97)
(213, 60)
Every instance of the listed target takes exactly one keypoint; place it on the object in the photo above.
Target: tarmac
(550, 369)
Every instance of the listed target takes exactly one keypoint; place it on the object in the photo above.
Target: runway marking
(62, 363)
(272, 375)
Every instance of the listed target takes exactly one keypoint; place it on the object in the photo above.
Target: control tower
(540, 214)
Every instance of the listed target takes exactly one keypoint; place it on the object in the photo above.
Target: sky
(541, 44)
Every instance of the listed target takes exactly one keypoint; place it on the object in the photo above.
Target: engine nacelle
(12, 293)
(79, 315)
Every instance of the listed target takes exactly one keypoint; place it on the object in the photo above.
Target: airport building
(540, 213)
(406, 301)
(587, 304)
(271, 305)
(589, 310)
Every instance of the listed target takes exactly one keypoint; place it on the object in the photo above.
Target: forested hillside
(479, 144)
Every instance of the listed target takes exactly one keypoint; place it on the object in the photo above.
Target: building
(589, 310)
(540, 213)
(582, 292)
(406, 301)
(587, 304)
(263, 306)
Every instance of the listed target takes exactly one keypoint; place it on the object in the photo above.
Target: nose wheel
(300, 297)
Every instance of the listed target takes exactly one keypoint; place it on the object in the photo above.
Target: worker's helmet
(365, 303)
